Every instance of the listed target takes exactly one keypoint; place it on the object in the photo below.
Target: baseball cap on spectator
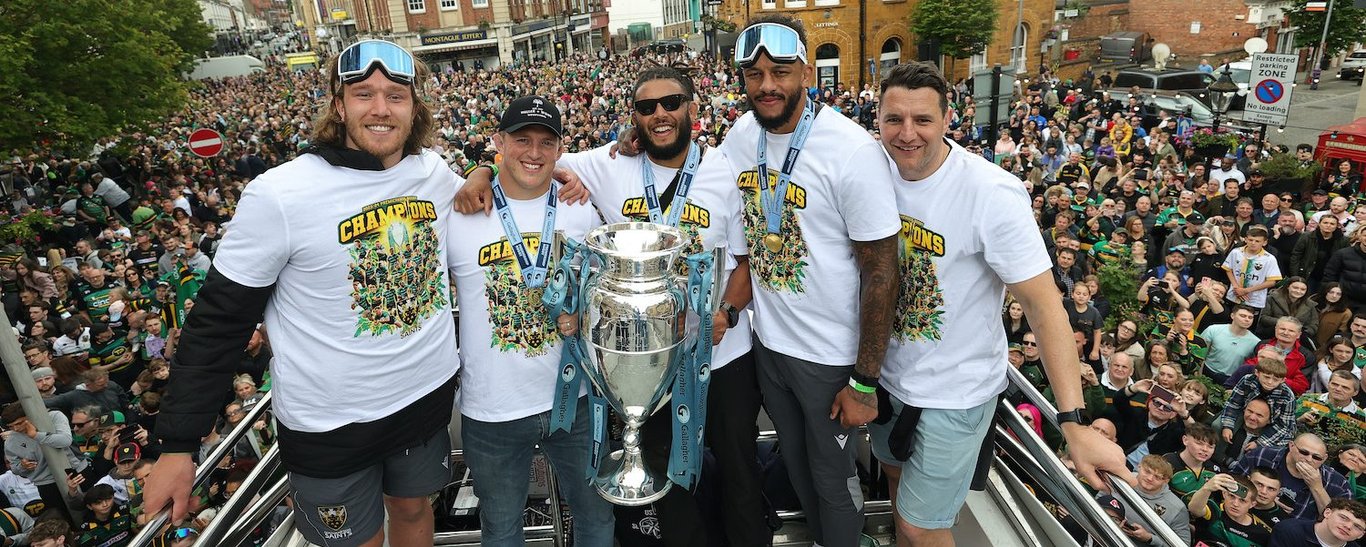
(43, 372)
(531, 110)
(1195, 218)
(113, 418)
(127, 452)
(1230, 156)
(1320, 192)
(1109, 503)
(163, 283)
(1255, 172)
(1017, 348)
(1177, 249)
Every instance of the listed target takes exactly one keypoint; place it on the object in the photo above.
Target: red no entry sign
(206, 143)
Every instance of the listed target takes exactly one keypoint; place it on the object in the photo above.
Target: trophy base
(629, 483)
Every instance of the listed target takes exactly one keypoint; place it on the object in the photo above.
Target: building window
(827, 2)
(417, 6)
(1017, 48)
(448, 5)
(770, 4)
(479, 3)
(827, 65)
(978, 63)
(891, 55)
(795, 3)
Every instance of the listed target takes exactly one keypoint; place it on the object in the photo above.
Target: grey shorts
(348, 511)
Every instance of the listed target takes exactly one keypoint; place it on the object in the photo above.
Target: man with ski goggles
(342, 251)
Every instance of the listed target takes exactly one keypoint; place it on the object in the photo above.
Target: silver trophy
(634, 321)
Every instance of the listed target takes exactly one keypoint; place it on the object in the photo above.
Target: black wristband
(864, 379)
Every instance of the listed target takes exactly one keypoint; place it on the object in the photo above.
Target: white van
(226, 67)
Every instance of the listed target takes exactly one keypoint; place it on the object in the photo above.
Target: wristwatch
(732, 314)
(1073, 416)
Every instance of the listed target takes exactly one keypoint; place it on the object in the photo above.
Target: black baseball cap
(531, 110)
(1109, 503)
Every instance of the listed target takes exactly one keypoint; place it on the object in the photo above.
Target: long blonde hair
(330, 130)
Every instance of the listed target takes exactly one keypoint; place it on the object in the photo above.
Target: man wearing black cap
(1189, 231)
(510, 347)
(343, 250)
(664, 110)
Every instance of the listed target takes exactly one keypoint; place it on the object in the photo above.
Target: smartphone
(127, 433)
(1237, 490)
(1162, 394)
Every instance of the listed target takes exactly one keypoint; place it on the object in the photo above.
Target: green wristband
(860, 387)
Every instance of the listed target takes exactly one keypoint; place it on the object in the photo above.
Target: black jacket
(1347, 266)
(1306, 254)
(1133, 427)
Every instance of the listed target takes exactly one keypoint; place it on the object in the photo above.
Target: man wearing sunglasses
(1306, 484)
(664, 110)
(343, 252)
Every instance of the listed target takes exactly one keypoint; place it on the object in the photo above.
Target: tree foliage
(1347, 28)
(77, 70)
(963, 28)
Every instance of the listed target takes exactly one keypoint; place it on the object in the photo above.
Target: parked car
(226, 67)
(1174, 103)
(1354, 67)
(1192, 82)
(1127, 47)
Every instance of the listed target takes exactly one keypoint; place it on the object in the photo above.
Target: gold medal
(773, 242)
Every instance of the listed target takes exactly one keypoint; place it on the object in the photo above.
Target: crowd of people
(1228, 372)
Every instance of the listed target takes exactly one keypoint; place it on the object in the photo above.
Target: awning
(458, 46)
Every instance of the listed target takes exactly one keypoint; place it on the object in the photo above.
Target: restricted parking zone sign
(1269, 86)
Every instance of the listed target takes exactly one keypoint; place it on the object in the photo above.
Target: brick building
(1214, 29)
(442, 32)
(846, 39)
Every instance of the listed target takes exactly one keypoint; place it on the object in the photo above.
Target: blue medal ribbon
(680, 196)
(694, 374)
(772, 202)
(533, 275)
(561, 297)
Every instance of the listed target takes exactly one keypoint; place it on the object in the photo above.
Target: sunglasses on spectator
(1029, 343)
(183, 533)
(1163, 406)
(1311, 455)
(79, 424)
(646, 107)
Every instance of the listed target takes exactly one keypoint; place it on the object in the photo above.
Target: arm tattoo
(879, 280)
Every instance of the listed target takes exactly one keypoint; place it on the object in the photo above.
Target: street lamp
(1221, 94)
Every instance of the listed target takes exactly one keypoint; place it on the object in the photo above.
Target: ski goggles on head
(781, 43)
(361, 58)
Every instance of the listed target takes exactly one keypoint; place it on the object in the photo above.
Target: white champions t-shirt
(360, 319)
(806, 296)
(509, 345)
(966, 231)
(710, 218)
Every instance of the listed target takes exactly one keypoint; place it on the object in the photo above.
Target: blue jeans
(499, 456)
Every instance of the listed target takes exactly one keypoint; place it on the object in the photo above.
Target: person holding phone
(1230, 522)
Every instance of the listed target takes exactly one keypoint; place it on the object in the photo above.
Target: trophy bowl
(633, 328)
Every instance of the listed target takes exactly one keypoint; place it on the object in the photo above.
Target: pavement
(1313, 110)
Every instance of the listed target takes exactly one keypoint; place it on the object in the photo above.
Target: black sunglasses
(645, 107)
(1311, 455)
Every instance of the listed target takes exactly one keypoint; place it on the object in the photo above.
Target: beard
(789, 108)
(682, 138)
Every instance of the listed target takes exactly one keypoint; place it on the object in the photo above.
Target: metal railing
(1058, 476)
(206, 467)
